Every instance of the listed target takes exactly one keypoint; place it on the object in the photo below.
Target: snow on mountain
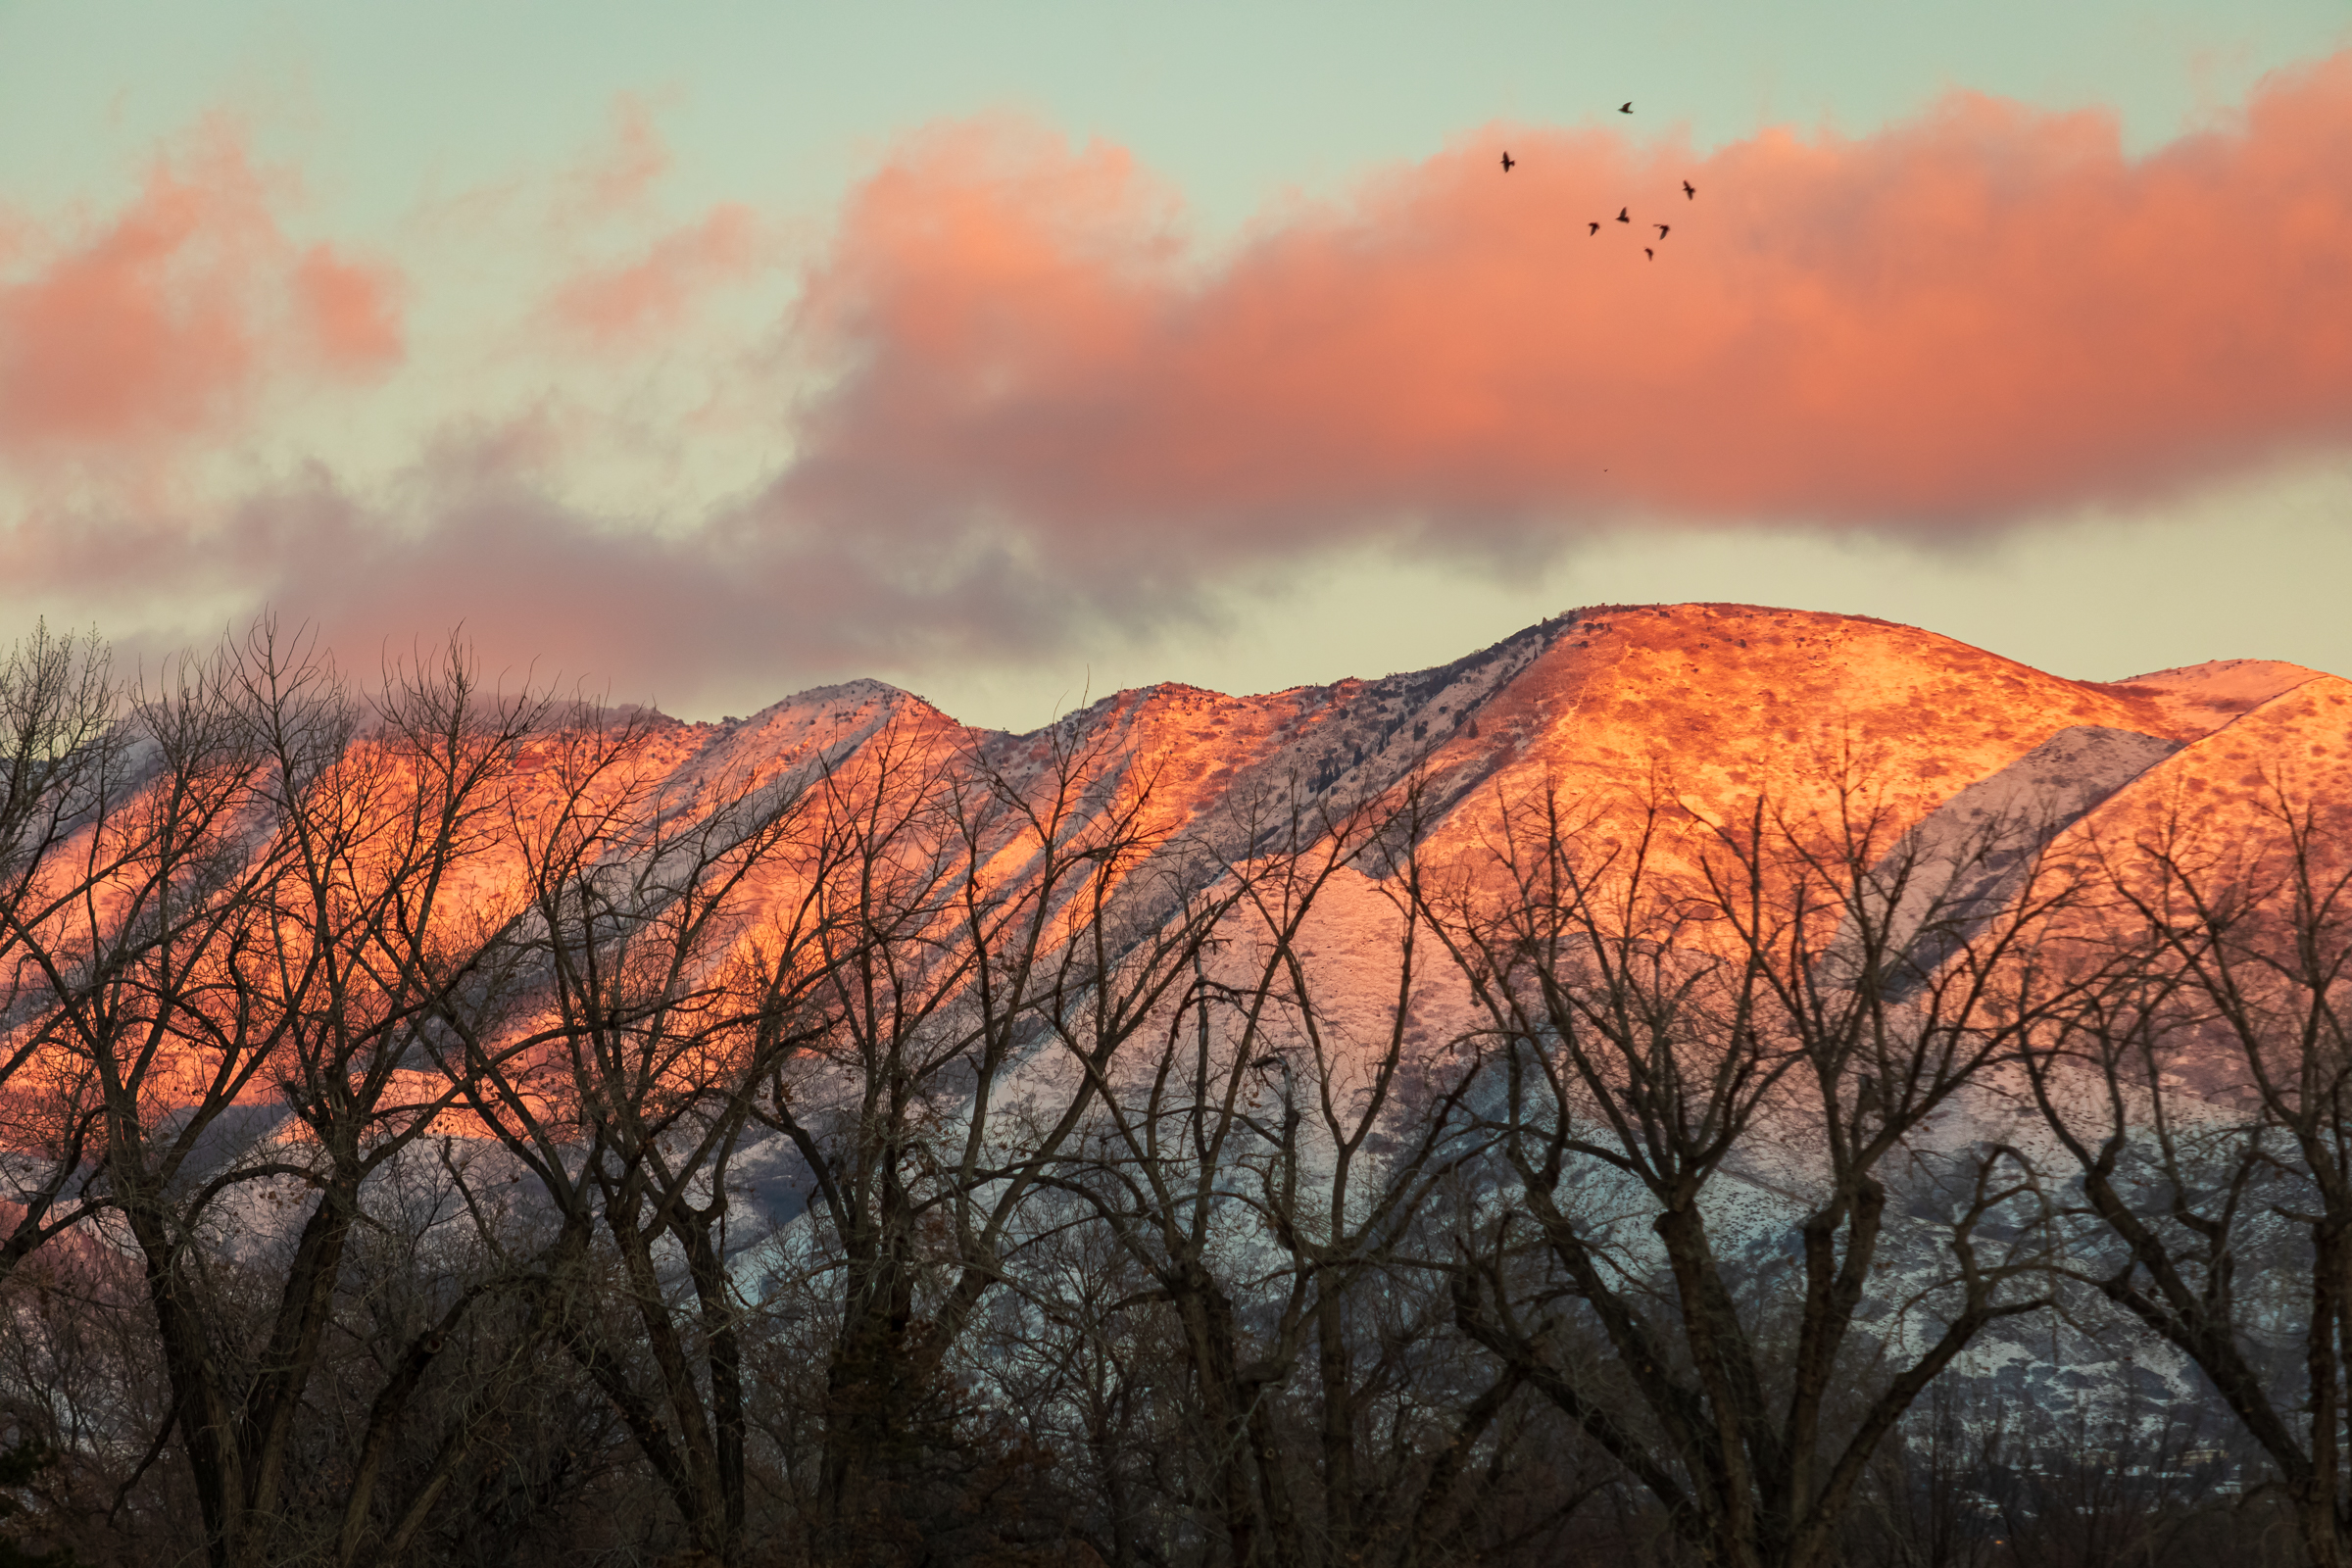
(1718, 702)
(2225, 793)
(1707, 705)
(2213, 693)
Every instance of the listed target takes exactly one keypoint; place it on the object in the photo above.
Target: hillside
(1708, 705)
(1303, 1062)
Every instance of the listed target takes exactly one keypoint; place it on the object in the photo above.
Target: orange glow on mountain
(1694, 711)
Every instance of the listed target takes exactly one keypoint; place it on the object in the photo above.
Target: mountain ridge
(1711, 702)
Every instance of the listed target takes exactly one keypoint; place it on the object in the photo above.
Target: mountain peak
(1717, 701)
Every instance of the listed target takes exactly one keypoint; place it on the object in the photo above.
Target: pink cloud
(619, 175)
(655, 287)
(623, 304)
(351, 310)
(160, 320)
(1960, 318)
(139, 328)
(1039, 415)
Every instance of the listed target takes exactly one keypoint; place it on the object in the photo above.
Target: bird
(1595, 228)
(1661, 228)
(1621, 217)
(1506, 159)
(1690, 191)
(1647, 251)
(1626, 108)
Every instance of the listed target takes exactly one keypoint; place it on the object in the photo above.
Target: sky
(1017, 355)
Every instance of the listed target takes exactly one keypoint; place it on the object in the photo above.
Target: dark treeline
(441, 1128)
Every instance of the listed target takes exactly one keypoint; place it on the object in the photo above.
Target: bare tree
(246, 989)
(443, 1127)
(1265, 1171)
(978, 905)
(2201, 1092)
(167, 888)
(1716, 1039)
(666, 988)
(64, 752)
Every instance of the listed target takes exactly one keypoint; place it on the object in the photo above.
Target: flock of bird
(1624, 214)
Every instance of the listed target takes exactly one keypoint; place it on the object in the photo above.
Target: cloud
(350, 309)
(136, 327)
(160, 322)
(477, 532)
(1028, 412)
(1984, 312)
(622, 173)
(626, 304)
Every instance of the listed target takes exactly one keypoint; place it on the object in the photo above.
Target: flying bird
(1595, 228)
(1690, 191)
(1661, 228)
(1647, 251)
(1506, 159)
(1626, 108)
(1621, 217)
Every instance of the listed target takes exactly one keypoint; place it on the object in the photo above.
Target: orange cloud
(139, 326)
(618, 176)
(651, 294)
(1035, 415)
(162, 319)
(349, 309)
(1987, 310)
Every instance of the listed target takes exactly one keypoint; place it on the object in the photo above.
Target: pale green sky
(1234, 102)
(395, 127)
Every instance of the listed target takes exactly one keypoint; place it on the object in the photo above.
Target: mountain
(1332, 1019)
(1714, 703)
(1689, 712)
